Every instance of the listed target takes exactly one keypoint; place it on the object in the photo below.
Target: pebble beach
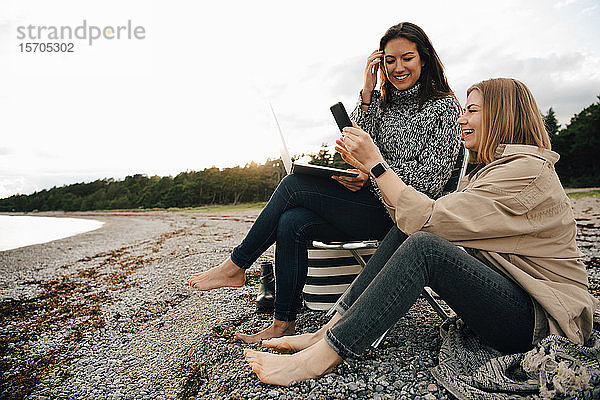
(107, 314)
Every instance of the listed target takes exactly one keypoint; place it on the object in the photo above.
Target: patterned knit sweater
(420, 146)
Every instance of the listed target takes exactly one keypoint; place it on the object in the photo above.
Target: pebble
(168, 337)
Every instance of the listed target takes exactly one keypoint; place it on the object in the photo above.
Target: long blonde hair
(510, 115)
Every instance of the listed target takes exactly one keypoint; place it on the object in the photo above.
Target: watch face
(378, 169)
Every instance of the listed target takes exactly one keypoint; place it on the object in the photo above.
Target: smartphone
(341, 116)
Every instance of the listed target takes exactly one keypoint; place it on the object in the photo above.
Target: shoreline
(24, 230)
(107, 314)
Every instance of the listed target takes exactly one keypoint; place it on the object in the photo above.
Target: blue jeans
(305, 208)
(491, 304)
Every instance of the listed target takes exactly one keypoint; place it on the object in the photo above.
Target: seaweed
(67, 308)
(198, 375)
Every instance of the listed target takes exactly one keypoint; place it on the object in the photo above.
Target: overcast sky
(195, 91)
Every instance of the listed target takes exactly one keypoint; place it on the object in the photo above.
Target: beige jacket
(514, 214)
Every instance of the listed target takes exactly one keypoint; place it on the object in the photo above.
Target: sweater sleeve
(430, 171)
(367, 120)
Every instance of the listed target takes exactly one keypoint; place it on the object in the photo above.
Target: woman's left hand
(353, 183)
(357, 148)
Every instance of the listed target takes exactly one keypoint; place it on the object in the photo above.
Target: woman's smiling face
(402, 63)
(470, 121)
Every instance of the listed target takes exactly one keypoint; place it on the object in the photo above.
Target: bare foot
(292, 344)
(276, 329)
(226, 274)
(283, 370)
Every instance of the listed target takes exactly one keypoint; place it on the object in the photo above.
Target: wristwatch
(379, 168)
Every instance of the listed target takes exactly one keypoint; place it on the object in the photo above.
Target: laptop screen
(285, 155)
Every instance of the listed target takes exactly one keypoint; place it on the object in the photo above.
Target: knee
(293, 183)
(423, 237)
(287, 188)
(290, 182)
(287, 180)
(291, 225)
(422, 241)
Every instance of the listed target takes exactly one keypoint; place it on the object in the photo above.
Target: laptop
(305, 168)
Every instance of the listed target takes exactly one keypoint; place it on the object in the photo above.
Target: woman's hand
(373, 62)
(357, 149)
(353, 183)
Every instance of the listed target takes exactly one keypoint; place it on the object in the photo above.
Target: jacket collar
(505, 150)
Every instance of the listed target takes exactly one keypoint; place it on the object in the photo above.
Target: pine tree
(551, 122)
(579, 146)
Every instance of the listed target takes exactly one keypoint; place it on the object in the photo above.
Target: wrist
(379, 169)
(365, 96)
(370, 164)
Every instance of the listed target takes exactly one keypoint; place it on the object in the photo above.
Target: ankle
(283, 324)
(336, 317)
(320, 358)
(321, 332)
(231, 269)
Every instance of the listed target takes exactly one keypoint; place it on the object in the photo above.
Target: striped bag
(330, 272)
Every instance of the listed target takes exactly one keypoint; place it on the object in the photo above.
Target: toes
(244, 338)
(249, 339)
(253, 364)
(273, 346)
(250, 356)
(256, 369)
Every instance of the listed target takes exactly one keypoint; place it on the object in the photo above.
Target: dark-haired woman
(412, 120)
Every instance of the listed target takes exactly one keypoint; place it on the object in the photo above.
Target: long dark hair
(434, 84)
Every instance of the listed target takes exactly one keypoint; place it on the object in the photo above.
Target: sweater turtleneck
(404, 99)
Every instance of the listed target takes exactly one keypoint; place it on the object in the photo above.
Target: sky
(193, 89)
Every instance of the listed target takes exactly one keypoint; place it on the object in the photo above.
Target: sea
(19, 231)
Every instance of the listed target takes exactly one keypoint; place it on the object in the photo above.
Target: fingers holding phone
(357, 144)
(347, 127)
(346, 156)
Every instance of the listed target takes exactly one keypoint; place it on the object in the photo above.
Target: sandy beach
(108, 314)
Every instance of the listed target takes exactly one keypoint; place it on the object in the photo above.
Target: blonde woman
(521, 272)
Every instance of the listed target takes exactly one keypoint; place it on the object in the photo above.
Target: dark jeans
(305, 208)
(492, 305)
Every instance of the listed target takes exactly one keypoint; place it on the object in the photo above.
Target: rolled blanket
(470, 369)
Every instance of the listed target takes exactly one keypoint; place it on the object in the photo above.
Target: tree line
(251, 183)
(578, 144)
